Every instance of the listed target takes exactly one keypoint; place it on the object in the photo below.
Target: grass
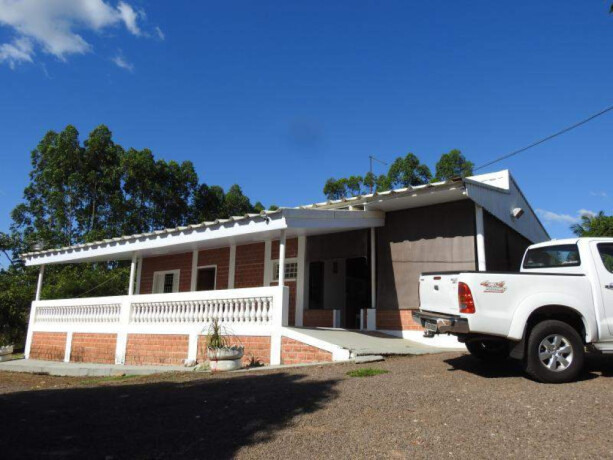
(110, 378)
(366, 372)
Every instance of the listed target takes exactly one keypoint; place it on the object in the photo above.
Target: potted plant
(222, 356)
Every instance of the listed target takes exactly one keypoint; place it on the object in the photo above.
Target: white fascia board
(107, 251)
(332, 219)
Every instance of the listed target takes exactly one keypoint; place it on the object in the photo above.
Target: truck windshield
(563, 255)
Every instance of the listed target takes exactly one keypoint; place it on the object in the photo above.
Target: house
(352, 263)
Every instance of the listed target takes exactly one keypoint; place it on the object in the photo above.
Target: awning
(222, 232)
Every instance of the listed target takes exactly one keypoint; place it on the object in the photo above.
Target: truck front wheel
(555, 352)
(492, 351)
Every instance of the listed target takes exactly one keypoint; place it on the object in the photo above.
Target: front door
(357, 290)
(603, 255)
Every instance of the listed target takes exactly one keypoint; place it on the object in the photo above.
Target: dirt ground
(437, 406)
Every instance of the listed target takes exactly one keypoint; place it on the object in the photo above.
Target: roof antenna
(371, 160)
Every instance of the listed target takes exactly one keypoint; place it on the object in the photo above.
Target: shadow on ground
(595, 366)
(209, 418)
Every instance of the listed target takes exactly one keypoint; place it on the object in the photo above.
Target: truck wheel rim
(556, 353)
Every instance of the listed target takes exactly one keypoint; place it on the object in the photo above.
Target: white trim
(232, 266)
(291, 260)
(175, 282)
(300, 281)
(267, 262)
(139, 271)
(480, 238)
(281, 261)
(68, 347)
(194, 269)
(214, 279)
(39, 282)
(131, 282)
(338, 353)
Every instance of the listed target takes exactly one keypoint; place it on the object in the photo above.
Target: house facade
(352, 264)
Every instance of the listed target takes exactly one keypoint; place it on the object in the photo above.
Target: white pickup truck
(558, 306)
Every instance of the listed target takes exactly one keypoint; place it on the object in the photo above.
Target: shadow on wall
(209, 418)
(430, 238)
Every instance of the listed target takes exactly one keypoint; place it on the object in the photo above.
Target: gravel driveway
(435, 406)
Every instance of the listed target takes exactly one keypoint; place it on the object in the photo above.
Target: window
(606, 254)
(563, 255)
(166, 282)
(316, 285)
(291, 271)
(205, 280)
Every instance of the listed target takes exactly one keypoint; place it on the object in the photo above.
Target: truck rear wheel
(491, 351)
(555, 352)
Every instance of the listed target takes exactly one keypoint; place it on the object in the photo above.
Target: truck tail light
(465, 297)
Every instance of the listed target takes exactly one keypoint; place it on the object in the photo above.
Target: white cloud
(20, 50)
(120, 61)
(550, 216)
(600, 194)
(160, 34)
(52, 26)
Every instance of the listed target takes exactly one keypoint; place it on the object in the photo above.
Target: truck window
(606, 254)
(563, 255)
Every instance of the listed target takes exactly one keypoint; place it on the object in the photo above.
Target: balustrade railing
(93, 313)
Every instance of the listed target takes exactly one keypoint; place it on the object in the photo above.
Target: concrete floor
(83, 369)
(362, 343)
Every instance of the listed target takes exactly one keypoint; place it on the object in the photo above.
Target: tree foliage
(598, 225)
(80, 193)
(405, 171)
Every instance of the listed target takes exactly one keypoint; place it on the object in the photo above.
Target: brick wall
(50, 346)
(249, 266)
(396, 320)
(318, 318)
(221, 258)
(256, 347)
(291, 249)
(155, 349)
(181, 262)
(294, 352)
(93, 348)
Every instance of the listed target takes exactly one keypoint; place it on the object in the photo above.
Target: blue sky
(279, 96)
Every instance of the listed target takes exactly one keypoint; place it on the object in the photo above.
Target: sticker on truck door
(496, 287)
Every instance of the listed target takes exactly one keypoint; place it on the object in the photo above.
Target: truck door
(603, 257)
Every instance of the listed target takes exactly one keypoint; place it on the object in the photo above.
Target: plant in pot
(222, 356)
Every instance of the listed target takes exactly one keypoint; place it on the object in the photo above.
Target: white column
(300, 282)
(267, 262)
(39, 284)
(480, 236)
(139, 271)
(282, 244)
(232, 267)
(68, 347)
(280, 316)
(122, 330)
(132, 274)
(192, 349)
(194, 269)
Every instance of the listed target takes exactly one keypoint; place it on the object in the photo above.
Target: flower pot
(225, 353)
(225, 359)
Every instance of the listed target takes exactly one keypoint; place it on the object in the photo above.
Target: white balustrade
(93, 313)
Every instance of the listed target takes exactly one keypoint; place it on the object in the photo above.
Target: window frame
(275, 269)
(600, 255)
(214, 278)
(544, 248)
(175, 281)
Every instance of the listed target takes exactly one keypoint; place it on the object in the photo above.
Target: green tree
(453, 164)
(408, 171)
(370, 181)
(236, 203)
(335, 189)
(354, 185)
(598, 225)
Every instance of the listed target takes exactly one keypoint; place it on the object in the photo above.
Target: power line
(545, 139)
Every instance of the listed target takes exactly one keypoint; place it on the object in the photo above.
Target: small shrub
(366, 372)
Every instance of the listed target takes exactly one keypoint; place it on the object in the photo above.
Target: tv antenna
(372, 158)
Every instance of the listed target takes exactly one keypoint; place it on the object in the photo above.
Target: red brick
(156, 349)
(396, 320)
(93, 348)
(221, 258)
(48, 346)
(318, 318)
(295, 352)
(256, 348)
(182, 262)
